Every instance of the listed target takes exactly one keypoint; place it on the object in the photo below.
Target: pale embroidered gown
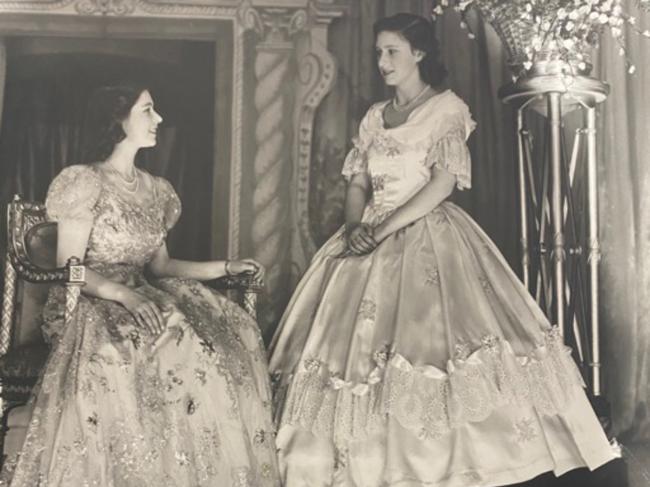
(426, 362)
(117, 408)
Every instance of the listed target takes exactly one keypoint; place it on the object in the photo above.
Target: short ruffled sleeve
(449, 150)
(357, 161)
(72, 195)
(171, 203)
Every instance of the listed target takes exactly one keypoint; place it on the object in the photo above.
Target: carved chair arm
(247, 285)
(76, 279)
(73, 276)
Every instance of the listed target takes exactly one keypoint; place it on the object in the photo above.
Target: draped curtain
(624, 195)
(477, 70)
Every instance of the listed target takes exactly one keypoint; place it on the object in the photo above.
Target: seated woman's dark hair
(108, 107)
(419, 32)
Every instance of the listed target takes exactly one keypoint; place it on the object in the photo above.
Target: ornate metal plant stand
(559, 205)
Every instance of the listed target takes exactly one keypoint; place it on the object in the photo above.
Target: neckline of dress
(121, 193)
(411, 115)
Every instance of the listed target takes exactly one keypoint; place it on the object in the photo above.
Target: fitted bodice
(400, 161)
(124, 228)
(397, 171)
(125, 231)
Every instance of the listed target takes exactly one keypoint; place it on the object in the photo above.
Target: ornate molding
(249, 17)
(186, 9)
(286, 18)
(317, 74)
(274, 25)
(220, 9)
(30, 6)
(105, 7)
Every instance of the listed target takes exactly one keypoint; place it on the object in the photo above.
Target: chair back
(40, 245)
(29, 273)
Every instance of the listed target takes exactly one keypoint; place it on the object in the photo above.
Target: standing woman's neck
(407, 91)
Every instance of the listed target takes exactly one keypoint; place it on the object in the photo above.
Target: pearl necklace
(130, 186)
(409, 104)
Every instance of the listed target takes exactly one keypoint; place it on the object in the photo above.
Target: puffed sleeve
(171, 203)
(449, 150)
(357, 161)
(72, 195)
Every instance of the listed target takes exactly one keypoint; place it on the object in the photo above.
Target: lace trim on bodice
(434, 140)
(425, 399)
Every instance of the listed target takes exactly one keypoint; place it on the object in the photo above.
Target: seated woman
(156, 382)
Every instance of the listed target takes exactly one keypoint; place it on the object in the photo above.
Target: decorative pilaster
(316, 77)
(272, 162)
(293, 71)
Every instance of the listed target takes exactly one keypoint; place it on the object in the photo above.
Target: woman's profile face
(396, 60)
(142, 123)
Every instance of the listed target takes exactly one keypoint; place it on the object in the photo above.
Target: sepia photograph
(325, 243)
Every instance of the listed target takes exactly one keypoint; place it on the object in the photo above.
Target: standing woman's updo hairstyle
(419, 32)
(108, 107)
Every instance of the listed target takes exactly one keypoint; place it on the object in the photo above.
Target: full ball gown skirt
(117, 407)
(425, 362)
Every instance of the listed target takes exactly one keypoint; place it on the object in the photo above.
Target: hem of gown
(480, 478)
(511, 476)
(424, 399)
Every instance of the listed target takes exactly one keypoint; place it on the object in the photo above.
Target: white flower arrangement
(559, 30)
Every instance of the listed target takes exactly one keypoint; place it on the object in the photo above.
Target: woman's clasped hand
(360, 238)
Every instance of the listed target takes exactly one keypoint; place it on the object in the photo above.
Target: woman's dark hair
(108, 107)
(419, 32)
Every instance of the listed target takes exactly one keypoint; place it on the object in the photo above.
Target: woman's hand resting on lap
(147, 314)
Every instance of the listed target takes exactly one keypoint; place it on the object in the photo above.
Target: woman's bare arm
(72, 242)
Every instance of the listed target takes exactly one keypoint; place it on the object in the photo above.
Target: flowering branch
(561, 30)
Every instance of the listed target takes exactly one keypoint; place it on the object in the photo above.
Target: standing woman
(410, 353)
(157, 381)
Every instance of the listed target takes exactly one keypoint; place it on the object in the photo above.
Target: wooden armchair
(30, 270)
